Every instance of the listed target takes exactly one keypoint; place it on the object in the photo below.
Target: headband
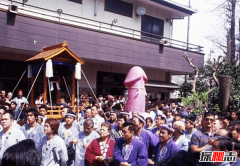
(126, 113)
(39, 116)
(68, 114)
(141, 119)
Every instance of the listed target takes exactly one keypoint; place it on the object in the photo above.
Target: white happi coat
(80, 150)
(36, 134)
(53, 152)
(13, 137)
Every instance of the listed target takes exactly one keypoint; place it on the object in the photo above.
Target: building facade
(110, 35)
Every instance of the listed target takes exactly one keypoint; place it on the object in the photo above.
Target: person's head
(222, 133)
(222, 144)
(24, 153)
(179, 128)
(51, 127)
(105, 130)
(32, 115)
(218, 124)
(149, 121)
(168, 112)
(126, 114)
(190, 122)
(121, 119)
(235, 131)
(94, 110)
(177, 117)
(113, 115)
(20, 93)
(9, 95)
(100, 98)
(2, 110)
(3, 92)
(128, 131)
(6, 105)
(88, 126)
(234, 115)
(65, 109)
(88, 113)
(7, 119)
(138, 121)
(226, 120)
(40, 119)
(134, 113)
(70, 117)
(161, 119)
(208, 119)
(13, 105)
(173, 105)
(62, 100)
(43, 110)
(236, 147)
(166, 133)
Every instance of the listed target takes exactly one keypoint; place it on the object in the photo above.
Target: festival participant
(54, 151)
(236, 148)
(129, 151)
(100, 150)
(235, 131)
(217, 125)
(97, 120)
(9, 97)
(190, 126)
(169, 116)
(39, 100)
(166, 148)
(226, 121)
(20, 99)
(117, 132)
(40, 120)
(203, 137)
(222, 144)
(67, 132)
(9, 135)
(65, 110)
(43, 112)
(83, 140)
(179, 137)
(33, 130)
(161, 119)
(126, 114)
(234, 115)
(147, 137)
(149, 123)
(13, 107)
(113, 119)
(87, 115)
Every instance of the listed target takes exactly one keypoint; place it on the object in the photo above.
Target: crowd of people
(103, 133)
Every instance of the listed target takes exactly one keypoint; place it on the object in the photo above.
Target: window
(77, 1)
(119, 7)
(153, 26)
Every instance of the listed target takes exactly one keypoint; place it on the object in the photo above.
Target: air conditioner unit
(13, 8)
(164, 42)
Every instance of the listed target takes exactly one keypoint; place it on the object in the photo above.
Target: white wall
(86, 10)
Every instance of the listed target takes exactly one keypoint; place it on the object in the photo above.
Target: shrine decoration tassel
(29, 70)
(78, 71)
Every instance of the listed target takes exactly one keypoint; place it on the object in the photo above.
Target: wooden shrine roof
(60, 52)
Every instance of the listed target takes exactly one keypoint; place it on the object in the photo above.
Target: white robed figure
(54, 151)
(82, 142)
(9, 135)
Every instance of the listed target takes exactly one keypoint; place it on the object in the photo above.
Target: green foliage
(205, 81)
(197, 100)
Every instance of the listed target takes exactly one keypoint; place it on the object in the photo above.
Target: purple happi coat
(136, 154)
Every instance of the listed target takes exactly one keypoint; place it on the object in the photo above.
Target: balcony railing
(76, 21)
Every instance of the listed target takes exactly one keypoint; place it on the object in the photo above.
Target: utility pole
(232, 31)
(189, 5)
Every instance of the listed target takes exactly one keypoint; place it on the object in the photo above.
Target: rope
(93, 92)
(66, 87)
(50, 96)
(30, 90)
(19, 80)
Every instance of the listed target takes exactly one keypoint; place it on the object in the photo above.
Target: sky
(205, 25)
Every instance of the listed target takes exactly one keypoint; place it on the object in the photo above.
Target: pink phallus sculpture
(135, 82)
